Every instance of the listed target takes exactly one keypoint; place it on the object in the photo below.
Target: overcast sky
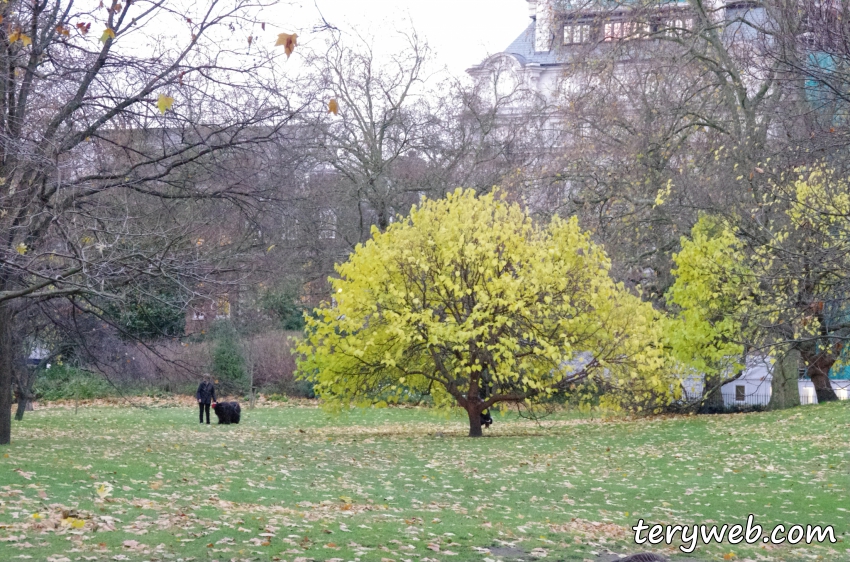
(460, 32)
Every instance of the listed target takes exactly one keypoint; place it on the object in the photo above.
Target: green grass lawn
(292, 483)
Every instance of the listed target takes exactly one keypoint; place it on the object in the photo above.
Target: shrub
(228, 363)
(71, 383)
(283, 306)
(149, 317)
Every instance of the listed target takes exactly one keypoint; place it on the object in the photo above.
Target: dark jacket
(206, 392)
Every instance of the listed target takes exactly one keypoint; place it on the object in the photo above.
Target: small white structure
(37, 353)
(753, 387)
(807, 390)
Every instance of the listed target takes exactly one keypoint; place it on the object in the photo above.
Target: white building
(753, 387)
(562, 31)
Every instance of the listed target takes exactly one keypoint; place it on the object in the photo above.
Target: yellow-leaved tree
(776, 283)
(713, 300)
(471, 302)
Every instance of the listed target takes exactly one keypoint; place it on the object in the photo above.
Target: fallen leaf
(103, 490)
(24, 474)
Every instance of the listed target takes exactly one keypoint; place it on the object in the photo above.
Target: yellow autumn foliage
(779, 283)
(468, 292)
(713, 294)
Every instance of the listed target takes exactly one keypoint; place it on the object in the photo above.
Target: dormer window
(624, 30)
(614, 30)
(677, 27)
(575, 34)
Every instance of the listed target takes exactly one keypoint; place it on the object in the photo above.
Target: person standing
(205, 395)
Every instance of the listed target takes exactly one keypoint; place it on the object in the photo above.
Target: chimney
(544, 26)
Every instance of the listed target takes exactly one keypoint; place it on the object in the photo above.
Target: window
(576, 33)
(222, 307)
(327, 224)
(290, 228)
(613, 30)
(622, 30)
(583, 130)
(678, 27)
(740, 392)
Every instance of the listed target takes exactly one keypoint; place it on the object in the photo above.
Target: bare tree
(109, 118)
(399, 133)
(379, 121)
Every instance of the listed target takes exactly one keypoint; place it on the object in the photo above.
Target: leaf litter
(399, 484)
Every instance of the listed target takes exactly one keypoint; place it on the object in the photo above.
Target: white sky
(461, 33)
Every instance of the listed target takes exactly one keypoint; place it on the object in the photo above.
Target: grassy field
(291, 483)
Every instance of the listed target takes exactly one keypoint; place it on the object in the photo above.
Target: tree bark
(823, 388)
(712, 398)
(22, 407)
(474, 421)
(25, 396)
(818, 370)
(785, 387)
(7, 363)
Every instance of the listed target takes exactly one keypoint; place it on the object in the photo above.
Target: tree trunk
(22, 407)
(823, 388)
(7, 363)
(25, 383)
(818, 367)
(785, 387)
(712, 398)
(474, 421)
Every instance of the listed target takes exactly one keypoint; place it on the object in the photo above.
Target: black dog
(227, 412)
(486, 418)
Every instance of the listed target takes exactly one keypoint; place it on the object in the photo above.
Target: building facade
(563, 32)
